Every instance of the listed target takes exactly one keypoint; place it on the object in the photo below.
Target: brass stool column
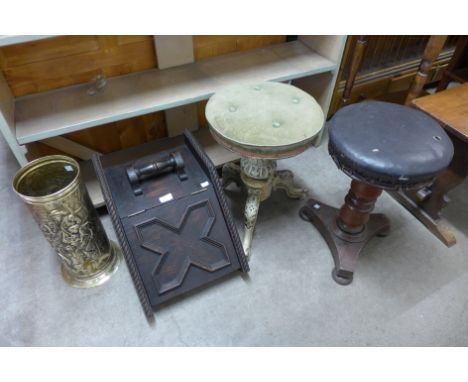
(257, 175)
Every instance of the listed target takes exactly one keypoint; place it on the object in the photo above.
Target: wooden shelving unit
(61, 111)
(18, 39)
(311, 62)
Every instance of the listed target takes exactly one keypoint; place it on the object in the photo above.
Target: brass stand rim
(43, 161)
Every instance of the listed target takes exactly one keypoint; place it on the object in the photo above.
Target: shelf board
(69, 109)
(218, 155)
(19, 39)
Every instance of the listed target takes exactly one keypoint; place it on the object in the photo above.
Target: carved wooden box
(175, 229)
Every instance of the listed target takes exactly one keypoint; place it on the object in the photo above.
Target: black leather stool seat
(388, 145)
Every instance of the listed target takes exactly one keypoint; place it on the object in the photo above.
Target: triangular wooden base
(345, 248)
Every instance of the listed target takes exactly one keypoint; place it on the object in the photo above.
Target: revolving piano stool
(381, 146)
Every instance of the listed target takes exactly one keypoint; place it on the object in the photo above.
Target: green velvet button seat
(272, 119)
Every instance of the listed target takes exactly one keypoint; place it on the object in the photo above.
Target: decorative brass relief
(258, 168)
(74, 230)
(53, 191)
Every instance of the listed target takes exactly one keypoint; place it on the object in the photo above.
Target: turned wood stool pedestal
(263, 122)
(380, 146)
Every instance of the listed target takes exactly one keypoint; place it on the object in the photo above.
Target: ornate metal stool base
(101, 277)
(260, 177)
(347, 230)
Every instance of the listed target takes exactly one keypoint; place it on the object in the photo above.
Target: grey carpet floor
(409, 289)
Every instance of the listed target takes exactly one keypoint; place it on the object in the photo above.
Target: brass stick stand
(52, 189)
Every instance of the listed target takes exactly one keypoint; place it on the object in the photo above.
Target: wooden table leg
(447, 180)
(426, 204)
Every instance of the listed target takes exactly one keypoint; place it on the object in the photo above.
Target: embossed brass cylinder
(53, 190)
